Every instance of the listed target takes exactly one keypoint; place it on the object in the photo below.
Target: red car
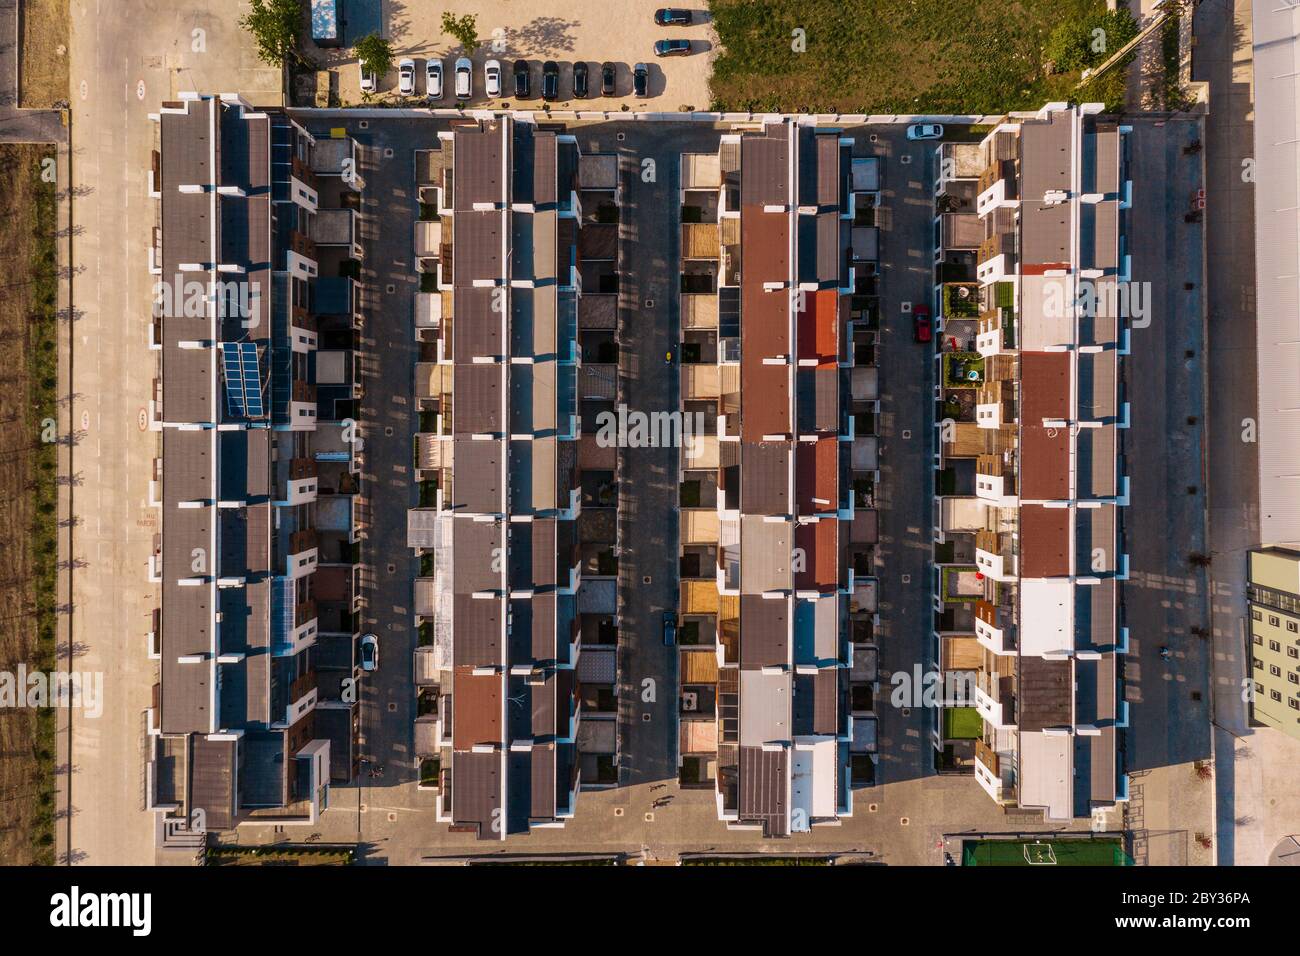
(922, 328)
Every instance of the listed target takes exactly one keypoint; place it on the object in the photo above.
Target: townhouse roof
(763, 781)
(1046, 154)
(818, 391)
(478, 548)
(817, 545)
(1044, 541)
(477, 793)
(765, 702)
(477, 631)
(817, 629)
(212, 780)
(1045, 693)
(765, 478)
(764, 555)
(815, 704)
(476, 708)
(817, 474)
(479, 329)
(477, 167)
(477, 486)
(1044, 463)
(764, 632)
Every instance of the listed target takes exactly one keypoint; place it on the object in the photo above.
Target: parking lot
(622, 33)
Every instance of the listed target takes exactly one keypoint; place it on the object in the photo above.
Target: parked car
(924, 131)
(672, 18)
(922, 327)
(640, 79)
(369, 653)
(406, 77)
(523, 82)
(670, 628)
(608, 76)
(672, 47)
(433, 79)
(369, 82)
(550, 80)
(492, 78)
(464, 78)
(580, 81)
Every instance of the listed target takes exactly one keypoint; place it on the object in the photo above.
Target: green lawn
(962, 723)
(871, 56)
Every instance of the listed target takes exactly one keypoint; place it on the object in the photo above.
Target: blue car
(672, 47)
(670, 628)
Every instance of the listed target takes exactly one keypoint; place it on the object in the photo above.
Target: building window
(1259, 688)
(1293, 627)
(1293, 677)
(1275, 647)
(1293, 652)
(1273, 621)
(1258, 664)
(1276, 695)
(1259, 640)
(1254, 614)
(1293, 703)
(1275, 670)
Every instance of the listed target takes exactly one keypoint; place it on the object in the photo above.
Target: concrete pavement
(122, 68)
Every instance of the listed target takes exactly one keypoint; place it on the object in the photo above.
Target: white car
(492, 77)
(369, 82)
(369, 653)
(925, 131)
(464, 78)
(406, 77)
(433, 79)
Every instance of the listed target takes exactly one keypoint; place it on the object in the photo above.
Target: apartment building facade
(1030, 485)
(777, 602)
(1273, 596)
(258, 478)
(501, 496)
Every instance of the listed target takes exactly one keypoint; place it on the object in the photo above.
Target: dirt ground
(623, 33)
(45, 54)
(26, 737)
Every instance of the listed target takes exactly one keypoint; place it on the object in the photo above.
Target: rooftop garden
(963, 369)
(961, 300)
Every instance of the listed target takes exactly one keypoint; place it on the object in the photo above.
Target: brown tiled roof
(818, 544)
(476, 706)
(762, 788)
(1044, 386)
(817, 475)
(1044, 463)
(1044, 541)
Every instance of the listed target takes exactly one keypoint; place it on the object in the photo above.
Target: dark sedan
(608, 74)
(673, 18)
(581, 81)
(523, 85)
(550, 80)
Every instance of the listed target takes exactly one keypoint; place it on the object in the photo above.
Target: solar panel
(243, 379)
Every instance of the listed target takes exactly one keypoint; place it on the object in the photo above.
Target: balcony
(995, 627)
(303, 685)
(995, 477)
(994, 773)
(1002, 244)
(303, 612)
(995, 554)
(305, 540)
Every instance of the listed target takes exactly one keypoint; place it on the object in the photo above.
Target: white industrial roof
(1277, 267)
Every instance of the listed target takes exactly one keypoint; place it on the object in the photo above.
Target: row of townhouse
(257, 316)
(516, 528)
(1032, 278)
(778, 599)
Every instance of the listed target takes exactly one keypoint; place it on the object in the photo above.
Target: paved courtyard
(623, 33)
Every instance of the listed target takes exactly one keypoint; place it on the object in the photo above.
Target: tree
(464, 29)
(375, 54)
(274, 26)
